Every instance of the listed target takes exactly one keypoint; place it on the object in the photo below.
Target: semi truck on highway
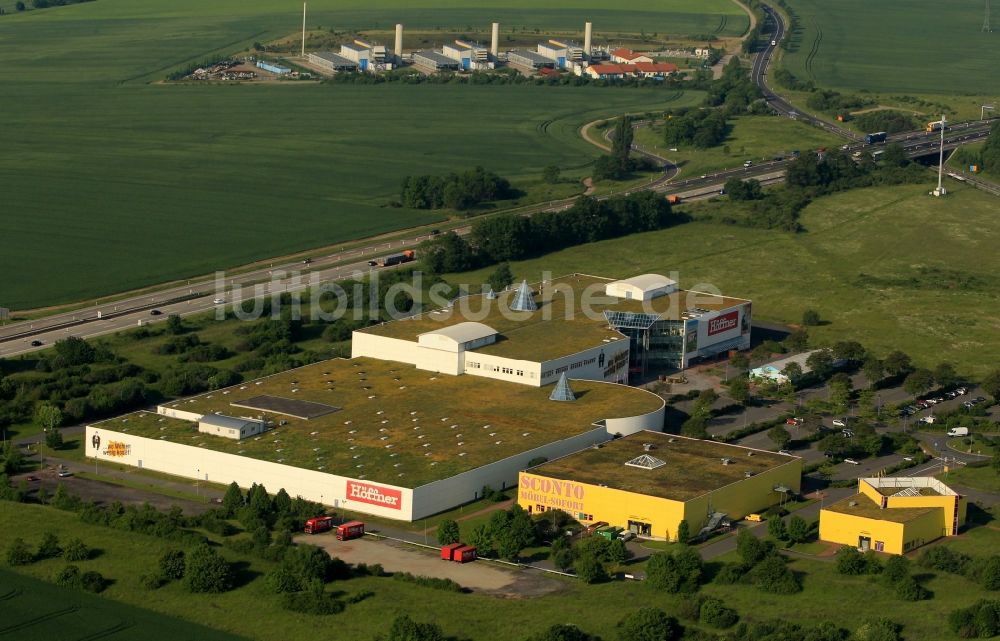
(396, 259)
(934, 126)
(875, 137)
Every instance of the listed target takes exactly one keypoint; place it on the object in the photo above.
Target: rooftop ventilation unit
(727, 461)
(648, 447)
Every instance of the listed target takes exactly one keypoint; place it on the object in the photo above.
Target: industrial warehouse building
(332, 63)
(648, 482)
(469, 55)
(894, 515)
(589, 327)
(434, 61)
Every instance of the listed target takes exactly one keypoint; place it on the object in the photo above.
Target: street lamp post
(41, 450)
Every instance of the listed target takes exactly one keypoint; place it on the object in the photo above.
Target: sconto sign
(723, 323)
(555, 493)
(374, 495)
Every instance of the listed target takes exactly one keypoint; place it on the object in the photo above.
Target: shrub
(48, 547)
(731, 573)
(76, 550)
(448, 532)
(68, 577)
(590, 569)
(850, 561)
(980, 620)
(172, 564)
(648, 624)
(772, 575)
(880, 629)
(152, 581)
(282, 580)
(715, 613)
(93, 582)
(908, 589)
(18, 553)
(207, 571)
(429, 582)
(311, 602)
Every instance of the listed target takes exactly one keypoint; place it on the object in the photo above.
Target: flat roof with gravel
(691, 467)
(397, 424)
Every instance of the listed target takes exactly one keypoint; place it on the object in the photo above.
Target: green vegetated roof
(869, 509)
(396, 424)
(569, 318)
(692, 467)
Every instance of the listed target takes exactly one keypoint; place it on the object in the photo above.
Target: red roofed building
(640, 70)
(627, 56)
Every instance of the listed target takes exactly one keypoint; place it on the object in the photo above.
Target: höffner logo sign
(723, 323)
(374, 495)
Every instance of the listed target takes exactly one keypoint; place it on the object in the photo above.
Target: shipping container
(448, 551)
(464, 554)
(318, 524)
(610, 532)
(350, 530)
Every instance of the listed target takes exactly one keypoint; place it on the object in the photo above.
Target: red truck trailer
(448, 551)
(350, 530)
(464, 554)
(397, 259)
(318, 524)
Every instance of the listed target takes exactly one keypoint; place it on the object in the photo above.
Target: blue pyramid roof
(523, 302)
(562, 391)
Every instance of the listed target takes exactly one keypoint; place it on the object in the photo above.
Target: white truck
(958, 431)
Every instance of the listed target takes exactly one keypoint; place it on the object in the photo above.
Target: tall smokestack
(587, 29)
(398, 50)
(303, 29)
(495, 42)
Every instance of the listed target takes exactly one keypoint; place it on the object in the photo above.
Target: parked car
(794, 421)
(626, 535)
(36, 343)
(839, 422)
(962, 391)
(32, 477)
(980, 399)
(951, 394)
(923, 404)
(785, 452)
(155, 312)
(306, 261)
(372, 263)
(928, 420)
(851, 461)
(931, 401)
(64, 473)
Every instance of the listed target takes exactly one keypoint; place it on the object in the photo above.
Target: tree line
(511, 237)
(455, 191)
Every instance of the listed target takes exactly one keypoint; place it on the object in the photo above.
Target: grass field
(130, 183)
(866, 262)
(752, 138)
(907, 46)
(827, 595)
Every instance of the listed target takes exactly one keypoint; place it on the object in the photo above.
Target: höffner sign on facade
(723, 323)
(374, 495)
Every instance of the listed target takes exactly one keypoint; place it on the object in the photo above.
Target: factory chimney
(398, 50)
(495, 42)
(587, 29)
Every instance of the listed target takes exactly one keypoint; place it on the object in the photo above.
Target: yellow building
(648, 482)
(894, 515)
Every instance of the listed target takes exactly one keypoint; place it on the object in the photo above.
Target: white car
(219, 301)
(774, 43)
(785, 452)
(851, 461)
(839, 422)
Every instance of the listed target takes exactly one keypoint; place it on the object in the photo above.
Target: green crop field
(113, 180)
(31, 609)
(906, 46)
(890, 267)
(846, 600)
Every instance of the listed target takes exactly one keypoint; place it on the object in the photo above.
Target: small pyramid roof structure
(523, 302)
(491, 295)
(562, 390)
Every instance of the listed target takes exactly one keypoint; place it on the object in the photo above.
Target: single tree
(683, 532)
(232, 501)
(873, 369)
(48, 416)
(53, 438)
(501, 278)
(175, 325)
(896, 363)
(448, 532)
(797, 341)
(945, 375)
(779, 436)
(590, 569)
(739, 389)
(991, 384)
(172, 564)
(793, 371)
(810, 318)
(776, 528)
(550, 174)
(918, 381)
(798, 529)
(821, 362)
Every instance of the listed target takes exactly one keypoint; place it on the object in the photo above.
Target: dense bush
(850, 561)
(18, 553)
(715, 613)
(207, 571)
(173, 564)
(978, 621)
(674, 572)
(76, 550)
(68, 577)
(48, 547)
(313, 601)
(429, 582)
(648, 624)
(886, 120)
(701, 128)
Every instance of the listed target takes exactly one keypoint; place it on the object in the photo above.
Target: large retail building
(648, 482)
